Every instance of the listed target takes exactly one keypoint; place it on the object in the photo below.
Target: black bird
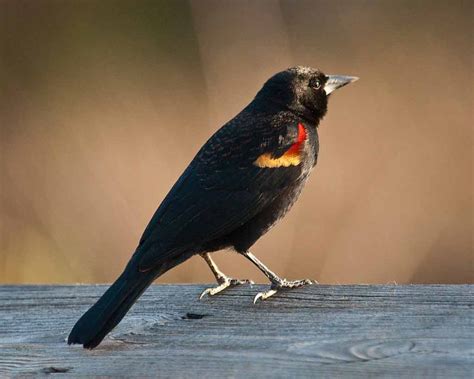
(243, 180)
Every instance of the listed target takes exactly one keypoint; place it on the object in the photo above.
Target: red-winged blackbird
(242, 181)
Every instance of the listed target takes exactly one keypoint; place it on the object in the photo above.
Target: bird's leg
(223, 280)
(277, 282)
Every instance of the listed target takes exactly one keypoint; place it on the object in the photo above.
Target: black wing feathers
(220, 190)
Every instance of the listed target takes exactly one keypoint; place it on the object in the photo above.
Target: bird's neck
(271, 106)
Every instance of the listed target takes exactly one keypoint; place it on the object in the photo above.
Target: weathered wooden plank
(324, 331)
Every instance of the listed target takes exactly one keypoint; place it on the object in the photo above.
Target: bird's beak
(337, 81)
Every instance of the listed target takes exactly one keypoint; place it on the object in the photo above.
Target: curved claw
(257, 296)
(222, 286)
(284, 284)
(264, 295)
(205, 292)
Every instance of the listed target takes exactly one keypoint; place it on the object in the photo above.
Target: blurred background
(104, 103)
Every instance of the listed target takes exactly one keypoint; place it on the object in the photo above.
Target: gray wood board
(317, 331)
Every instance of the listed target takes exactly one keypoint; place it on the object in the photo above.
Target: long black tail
(104, 315)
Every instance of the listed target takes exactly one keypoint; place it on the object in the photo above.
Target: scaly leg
(277, 282)
(223, 280)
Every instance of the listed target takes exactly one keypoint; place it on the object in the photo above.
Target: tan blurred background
(104, 103)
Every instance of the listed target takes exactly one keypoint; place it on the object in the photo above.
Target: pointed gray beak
(337, 81)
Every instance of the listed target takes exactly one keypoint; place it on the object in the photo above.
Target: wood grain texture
(317, 331)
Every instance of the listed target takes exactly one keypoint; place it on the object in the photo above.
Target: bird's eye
(316, 84)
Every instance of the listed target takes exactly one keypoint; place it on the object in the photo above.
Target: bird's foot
(224, 282)
(282, 284)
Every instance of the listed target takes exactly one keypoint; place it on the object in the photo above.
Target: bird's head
(302, 90)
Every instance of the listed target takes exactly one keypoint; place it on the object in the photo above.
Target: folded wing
(222, 188)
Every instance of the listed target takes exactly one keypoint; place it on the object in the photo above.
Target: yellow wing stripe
(286, 160)
(292, 157)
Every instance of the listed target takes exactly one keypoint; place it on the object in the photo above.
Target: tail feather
(107, 312)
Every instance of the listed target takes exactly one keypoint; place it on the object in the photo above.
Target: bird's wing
(222, 188)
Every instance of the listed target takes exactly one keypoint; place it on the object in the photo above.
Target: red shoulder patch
(292, 156)
(296, 147)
